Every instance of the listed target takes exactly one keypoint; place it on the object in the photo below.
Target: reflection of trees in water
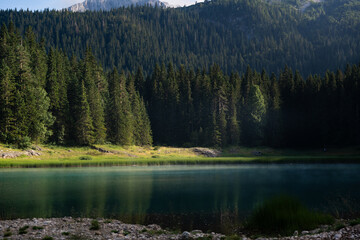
(126, 198)
(132, 196)
(228, 198)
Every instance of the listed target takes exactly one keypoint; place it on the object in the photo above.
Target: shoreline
(109, 161)
(49, 156)
(87, 228)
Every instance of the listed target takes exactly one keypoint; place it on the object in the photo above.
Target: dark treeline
(48, 97)
(215, 109)
(231, 33)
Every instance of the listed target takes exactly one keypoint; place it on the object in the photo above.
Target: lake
(215, 198)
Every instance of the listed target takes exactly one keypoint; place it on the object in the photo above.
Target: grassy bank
(110, 155)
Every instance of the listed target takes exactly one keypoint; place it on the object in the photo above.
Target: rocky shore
(85, 228)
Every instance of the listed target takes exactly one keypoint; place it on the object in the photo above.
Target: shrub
(47, 238)
(283, 215)
(85, 158)
(339, 226)
(355, 222)
(24, 142)
(22, 230)
(37, 228)
(94, 225)
(77, 237)
(233, 237)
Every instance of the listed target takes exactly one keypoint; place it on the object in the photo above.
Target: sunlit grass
(62, 156)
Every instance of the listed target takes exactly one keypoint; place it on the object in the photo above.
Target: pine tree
(233, 122)
(84, 127)
(141, 123)
(7, 98)
(256, 117)
(274, 121)
(94, 85)
(120, 119)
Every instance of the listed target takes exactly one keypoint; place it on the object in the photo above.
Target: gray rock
(206, 152)
(337, 236)
(32, 153)
(304, 232)
(185, 235)
(296, 233)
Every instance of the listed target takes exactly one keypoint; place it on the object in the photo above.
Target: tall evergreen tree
(120, 119)
(84, 126)
(256, 118)
(94, 84)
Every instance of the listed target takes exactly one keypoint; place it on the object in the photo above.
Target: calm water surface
(184, 197)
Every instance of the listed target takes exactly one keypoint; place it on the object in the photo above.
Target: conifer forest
(218, 74)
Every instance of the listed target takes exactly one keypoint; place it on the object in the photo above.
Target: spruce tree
(84, 126)
(94, 84)
(7, 98)
(120, 123)
(256, 117)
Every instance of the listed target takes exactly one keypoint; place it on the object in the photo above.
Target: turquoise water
(184, 197)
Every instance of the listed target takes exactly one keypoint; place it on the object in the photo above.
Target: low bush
(94, 225)
(37, 228)
(22, 230)
(354, 222)
(339, 226)
(283, 215)
(85, 158)
(47, 238)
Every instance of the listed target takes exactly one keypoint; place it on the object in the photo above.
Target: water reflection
(215, 198)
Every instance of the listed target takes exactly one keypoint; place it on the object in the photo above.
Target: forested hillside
(231, 33)
(49, 97)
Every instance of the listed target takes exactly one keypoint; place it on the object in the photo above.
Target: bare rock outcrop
(206, 152)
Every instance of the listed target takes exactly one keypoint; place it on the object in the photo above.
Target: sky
(59, 4)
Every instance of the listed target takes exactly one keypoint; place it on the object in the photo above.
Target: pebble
(337, 236)
(185, 235)
(116, 230)
(80, 227)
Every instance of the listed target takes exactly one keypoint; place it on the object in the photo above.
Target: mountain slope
(231, 33)
(96, 5)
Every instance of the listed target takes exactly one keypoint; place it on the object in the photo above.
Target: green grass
(118, 161)
(37, 228)
(47, 238)
(339, 226)
(22, 230)
(156, 232)
(232, 237)
(354, 222)
(94, 225)
(57, 156)
(7, 234)
(283, 215)
(77, 237)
